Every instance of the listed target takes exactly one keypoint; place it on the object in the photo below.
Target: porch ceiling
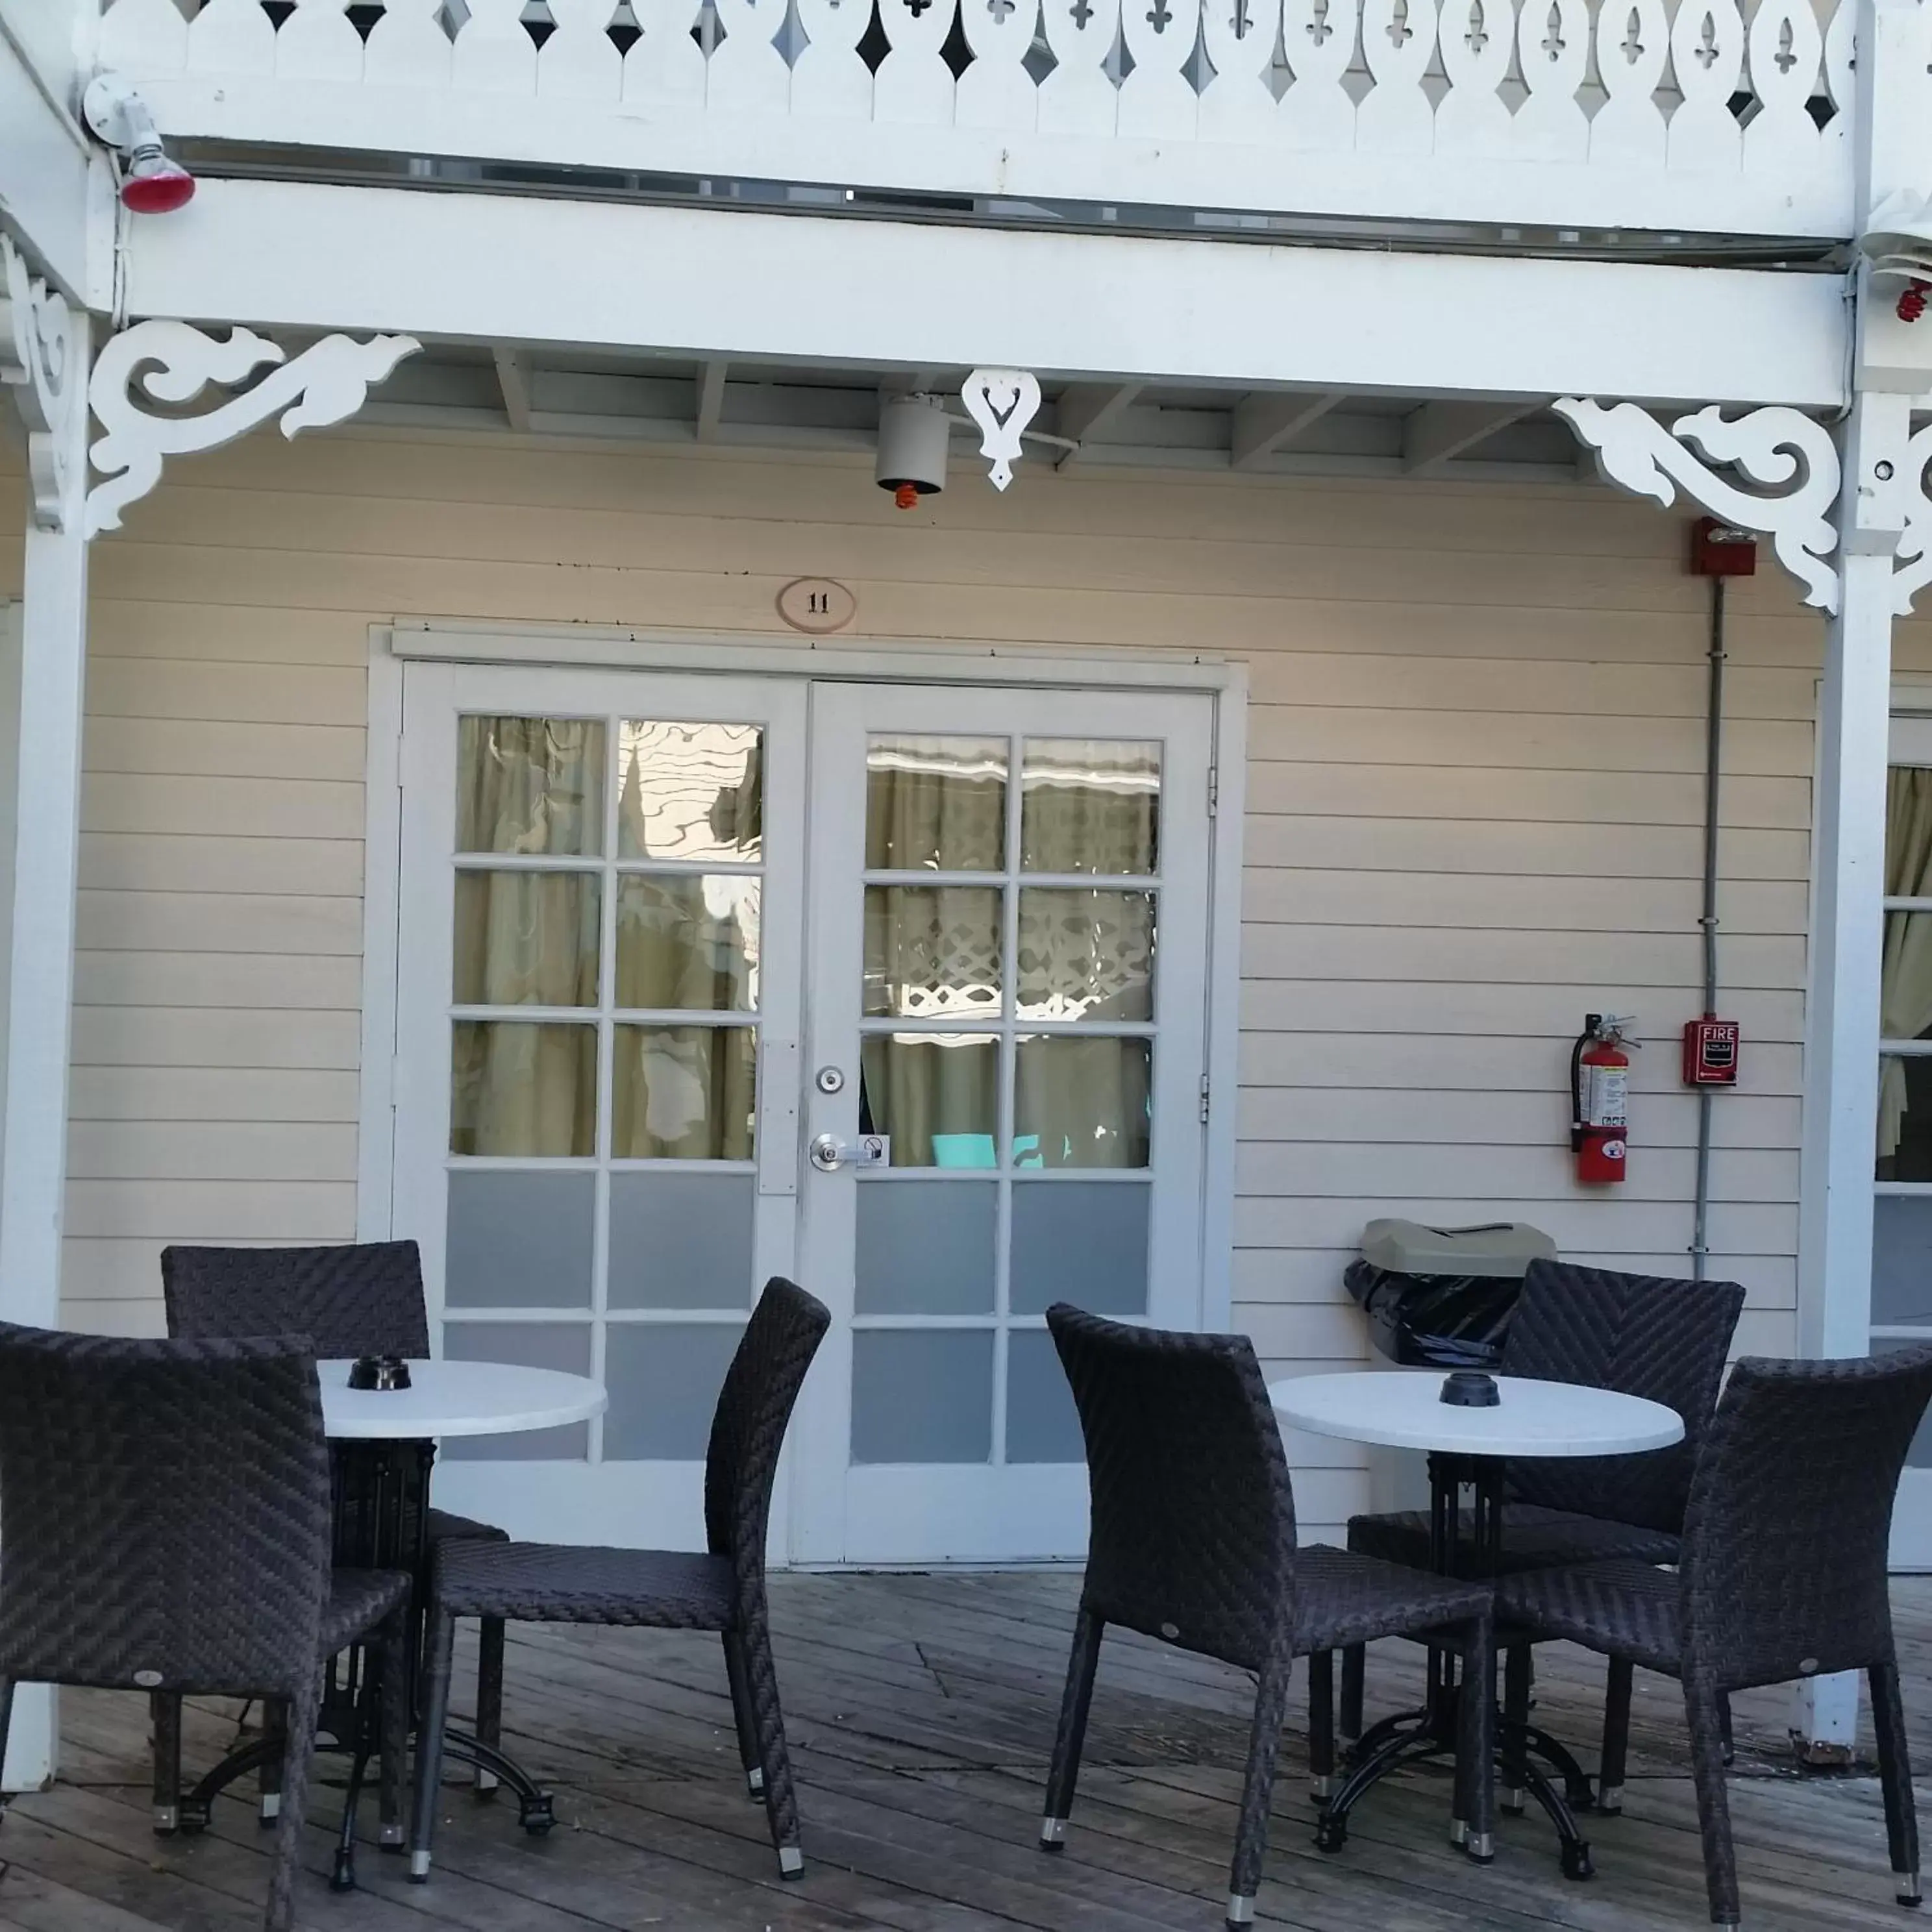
(638, 397)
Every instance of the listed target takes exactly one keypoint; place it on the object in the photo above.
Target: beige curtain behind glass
(526, 785)
(1905, 986)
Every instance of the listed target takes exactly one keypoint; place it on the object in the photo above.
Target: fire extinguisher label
(1607, 1096)
(1612, 1150)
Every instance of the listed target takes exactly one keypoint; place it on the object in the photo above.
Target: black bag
(1425, 1312)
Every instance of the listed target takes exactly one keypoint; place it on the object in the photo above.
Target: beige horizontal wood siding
(1474, 807)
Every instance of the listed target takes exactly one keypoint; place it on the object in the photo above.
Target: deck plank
(921, 1710)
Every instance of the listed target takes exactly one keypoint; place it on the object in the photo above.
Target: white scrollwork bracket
(1769, 447)
(171, 363)
(37, 358)
(1915, 546)
(1002, 402)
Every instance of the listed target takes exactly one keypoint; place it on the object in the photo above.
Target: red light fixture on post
(152, 183)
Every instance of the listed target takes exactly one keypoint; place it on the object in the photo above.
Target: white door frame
(470, 640)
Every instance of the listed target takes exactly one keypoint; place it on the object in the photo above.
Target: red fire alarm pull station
(1710, 1052)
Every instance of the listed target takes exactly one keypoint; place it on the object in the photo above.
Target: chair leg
(1616, 1736)
(489, 1694)
(1355, 1673)
(1071, 1739)
(1322, 1723)
(1476, 1744)
(741, 1715)
(429, 1741)
(1258, 1790)
(395, 1725)
(1701, 1708)
(1894, 1773)
(761, 1686)
(164, 1718)
(269, 1779)
(297, 1746)
(1518, 1680)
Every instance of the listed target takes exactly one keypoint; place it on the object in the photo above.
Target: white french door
(1006, 940)
(1901, 1298)
(596, 1146)
(659, 935)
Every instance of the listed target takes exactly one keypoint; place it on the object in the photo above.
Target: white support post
(43, 821)
(1847, 942)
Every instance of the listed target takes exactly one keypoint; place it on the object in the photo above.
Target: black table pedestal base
(1431, 1734)
(381, 1522)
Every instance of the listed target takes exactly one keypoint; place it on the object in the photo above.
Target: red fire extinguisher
(1599, 1097)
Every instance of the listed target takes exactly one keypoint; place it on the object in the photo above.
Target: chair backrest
(1784, 1562)
(166, 1512)
(1639, 1334)
(748, 1427)
(364, 1300)
(1192, 1534)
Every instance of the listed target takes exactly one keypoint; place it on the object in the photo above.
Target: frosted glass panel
(1042, 1425)
(925, 1247)
(518, 1089)
(935, 803)
(529, 785)
(681, 1240)
(1085, 1242)
(540, 1344)
(686, 941)
(937, 1095)
(682, 1093)
(520, 1240)
(664, 1379)
(1082, 1102)
(1091, 804)
(690, 791)
(932, 952)
(1086, 956)
(526, 939)
(1901, 1259)
(923, 1396)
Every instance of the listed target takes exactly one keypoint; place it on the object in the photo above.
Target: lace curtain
(1905, 985)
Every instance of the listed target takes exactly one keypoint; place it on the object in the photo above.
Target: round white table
(382, 1444)
(1470, 1448)
(447, 1399)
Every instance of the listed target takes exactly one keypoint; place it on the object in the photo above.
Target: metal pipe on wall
(1714, 753)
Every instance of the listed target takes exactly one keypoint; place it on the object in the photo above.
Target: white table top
(1401, 1409)
(456, 1399)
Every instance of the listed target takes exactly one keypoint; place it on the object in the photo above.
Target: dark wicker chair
(1641, 1335)
(166, 1506)
(1781, 1575)
(363, 1300)
(721, 1589)
(1192, 1541)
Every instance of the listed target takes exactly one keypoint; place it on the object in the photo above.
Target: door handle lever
(828, 1153)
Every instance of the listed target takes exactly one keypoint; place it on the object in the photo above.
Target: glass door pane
(593, 905)
(1008, 923)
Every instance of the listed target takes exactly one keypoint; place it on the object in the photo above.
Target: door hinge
(1213, 790)
(1204, 1100)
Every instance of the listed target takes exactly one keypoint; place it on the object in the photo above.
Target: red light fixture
(150, 182)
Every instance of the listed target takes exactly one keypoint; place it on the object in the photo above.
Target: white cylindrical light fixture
(913, 435)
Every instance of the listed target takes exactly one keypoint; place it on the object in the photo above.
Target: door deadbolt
(830, 1080)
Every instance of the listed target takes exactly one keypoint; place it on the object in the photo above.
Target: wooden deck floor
(921, 1710)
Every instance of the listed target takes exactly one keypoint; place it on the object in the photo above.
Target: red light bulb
(155, 185)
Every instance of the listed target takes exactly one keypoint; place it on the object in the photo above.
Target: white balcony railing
(1687, 116)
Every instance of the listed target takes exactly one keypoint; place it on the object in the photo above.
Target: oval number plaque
(817, 605)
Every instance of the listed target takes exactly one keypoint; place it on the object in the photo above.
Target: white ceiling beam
(696, 283)
(710, 398)
(1264, 423)
(1439, 432)
(1086, 411)
(513, 378)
